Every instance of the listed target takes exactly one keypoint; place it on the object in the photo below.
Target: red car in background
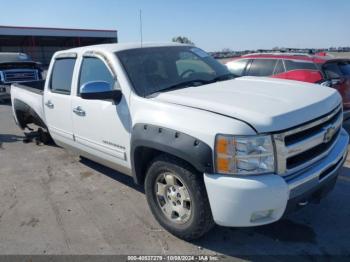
(319, 69)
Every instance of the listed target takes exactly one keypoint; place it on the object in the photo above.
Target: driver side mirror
(100, 90)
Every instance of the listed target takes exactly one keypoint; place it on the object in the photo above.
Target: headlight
(244, 155)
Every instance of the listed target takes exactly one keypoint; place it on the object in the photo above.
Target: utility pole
(141, 27)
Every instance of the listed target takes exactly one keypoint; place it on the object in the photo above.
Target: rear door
(57, 99)
(338, 72)
(300, 70)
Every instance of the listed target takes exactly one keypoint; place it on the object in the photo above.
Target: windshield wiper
(196, 82)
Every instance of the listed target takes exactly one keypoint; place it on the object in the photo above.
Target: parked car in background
(16, 68)
(319, 69)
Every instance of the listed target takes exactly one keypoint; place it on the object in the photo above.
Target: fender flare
(181, 145)
(26, 115)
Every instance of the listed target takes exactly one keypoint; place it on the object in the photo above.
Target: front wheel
(177, 197)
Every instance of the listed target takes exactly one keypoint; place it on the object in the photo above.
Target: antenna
(141, 27)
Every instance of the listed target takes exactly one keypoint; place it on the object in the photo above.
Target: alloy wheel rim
(173, 198)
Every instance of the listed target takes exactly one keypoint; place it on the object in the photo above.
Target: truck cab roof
(119, 47)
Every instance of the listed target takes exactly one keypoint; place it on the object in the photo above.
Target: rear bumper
(259, 200)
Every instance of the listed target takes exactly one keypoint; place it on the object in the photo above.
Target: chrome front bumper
(236, 201)
(322, 170)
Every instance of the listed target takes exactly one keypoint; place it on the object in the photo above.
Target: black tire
(201, 220)
(44, 137)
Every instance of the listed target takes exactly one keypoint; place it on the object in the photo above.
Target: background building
(42, 43)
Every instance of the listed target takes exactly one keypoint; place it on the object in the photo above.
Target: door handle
(79, 111)
(49, 104)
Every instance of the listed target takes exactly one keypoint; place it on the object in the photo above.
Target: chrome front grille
(302, 146)
(15, 76)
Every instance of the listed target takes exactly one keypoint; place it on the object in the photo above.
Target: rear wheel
(177, 197)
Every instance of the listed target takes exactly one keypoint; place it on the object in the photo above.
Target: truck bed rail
(32, 86)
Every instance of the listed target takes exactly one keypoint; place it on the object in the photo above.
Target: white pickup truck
(209, 148)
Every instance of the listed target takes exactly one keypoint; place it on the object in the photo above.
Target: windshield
(345, 68)
(336, 70)
(158, 69)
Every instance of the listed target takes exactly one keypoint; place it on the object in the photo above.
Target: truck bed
(32, 86)
(27, 103)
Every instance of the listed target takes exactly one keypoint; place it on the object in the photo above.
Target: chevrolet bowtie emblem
(329, 134)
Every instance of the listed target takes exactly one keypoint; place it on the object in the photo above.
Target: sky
(211, 25)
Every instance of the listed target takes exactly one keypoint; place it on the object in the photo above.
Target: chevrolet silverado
(208, 147)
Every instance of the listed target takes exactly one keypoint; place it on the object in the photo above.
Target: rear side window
(94, 69)
(262, 67)
(299, 65)
(237, 67)
(61, 77)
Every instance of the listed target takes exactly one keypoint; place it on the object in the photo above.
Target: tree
(182, 40)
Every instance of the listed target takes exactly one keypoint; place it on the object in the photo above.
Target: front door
(57, 100)
(101, 128)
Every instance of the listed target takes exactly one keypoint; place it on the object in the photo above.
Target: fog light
(261, 215)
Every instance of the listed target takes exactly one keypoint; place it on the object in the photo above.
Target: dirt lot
(341, 54)
(52, 202)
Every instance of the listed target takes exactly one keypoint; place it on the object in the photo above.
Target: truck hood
(267, 104)
(14, 57)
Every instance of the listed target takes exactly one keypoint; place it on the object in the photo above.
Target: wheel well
(143, 157)
(26, 115)
(148, 141)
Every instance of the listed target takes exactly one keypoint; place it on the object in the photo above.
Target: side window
(344, 68)
(279, 69)
(262, 67)
(332, 70)
(237, 67)
(299, 65)
(94, 69)
(61, 77)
